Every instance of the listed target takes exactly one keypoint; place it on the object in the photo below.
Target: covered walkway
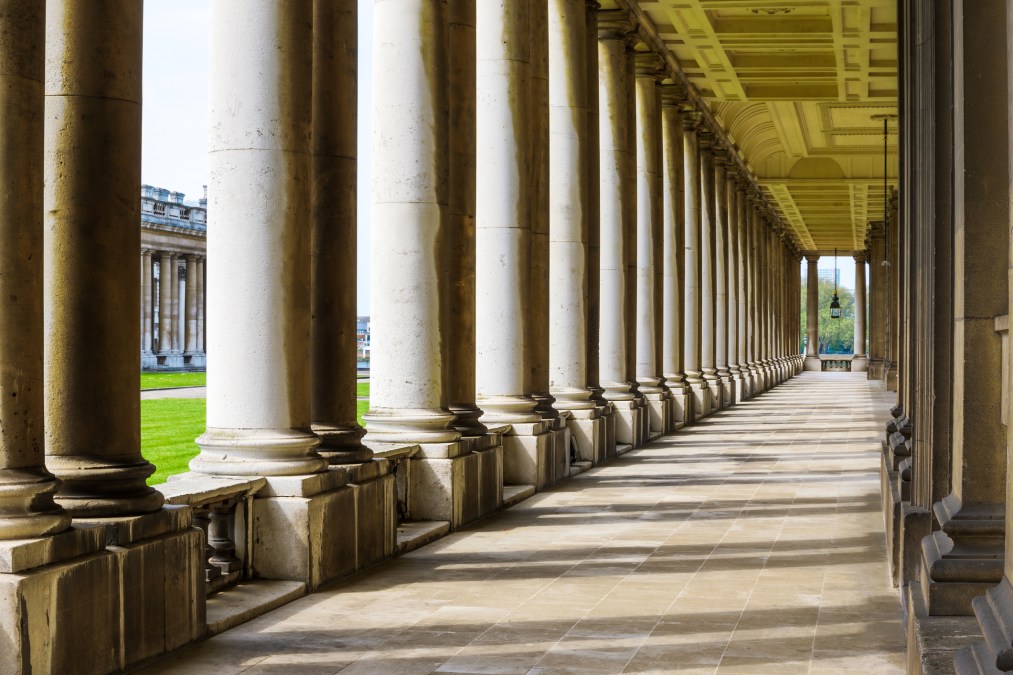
(751, 542)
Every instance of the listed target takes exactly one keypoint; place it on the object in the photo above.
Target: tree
(836, 336)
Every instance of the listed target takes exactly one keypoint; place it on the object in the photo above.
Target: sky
(175, 131)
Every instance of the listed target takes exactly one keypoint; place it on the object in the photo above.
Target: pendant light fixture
(835, 303)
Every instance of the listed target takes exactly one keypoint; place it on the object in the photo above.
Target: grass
(362, 388)
(171, 380)
(168, 429)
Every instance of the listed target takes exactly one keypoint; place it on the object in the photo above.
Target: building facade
(173, 255)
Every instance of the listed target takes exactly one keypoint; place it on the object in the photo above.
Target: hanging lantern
(835, 303)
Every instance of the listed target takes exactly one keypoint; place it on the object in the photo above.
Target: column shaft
(191, 305)
(707, 263)
(146, 302)
(674, 236)
(174, 305)
(506, 200)
(569, 203)
(93, 160)
(200, 305)
(333, 230)
(593, 202)
(614, 115)
(732, 258)
(691, 276)
(27, 509)
(721, 270)
(860, 362)
(164, 303)
(258, 419)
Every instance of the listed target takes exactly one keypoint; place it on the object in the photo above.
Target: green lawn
(168, 429)
(362, 388)
(168, 380)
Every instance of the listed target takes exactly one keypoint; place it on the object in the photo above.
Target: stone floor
(750, 543)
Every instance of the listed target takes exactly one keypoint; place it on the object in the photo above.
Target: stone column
(965, 556)
(93, 124)
(674, 238)
(200, 305)
(734, 280)
(191, 306)
(708, 263)
(878, 304)
(568, 220)
(721, 278)
(147, 310)
(164, 306)
(744, 286)
(258, 418)
(812, 301)
(649, 70)
(333, 223)
(614, 177)
(175, 337)
(860, 361)
(692, 279)
(27, 509)
(593, 207)
(505, 200)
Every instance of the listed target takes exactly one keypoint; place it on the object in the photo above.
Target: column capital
(615, 24)
(691, 120)
(707, 138)
(720, 153)
(592, 5)
(147, 251)
(673, 94)
(860, 257)
(811, 258)
(650, 65)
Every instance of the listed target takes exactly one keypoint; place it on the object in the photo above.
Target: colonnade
(172, 295)
(565, 245)
(860, 359)
(945, 289)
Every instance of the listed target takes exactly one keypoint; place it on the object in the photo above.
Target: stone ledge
(125, 531)
(515, 494)
(416, 534)
(249, 600)
(24, 554)
(197, 489)
(577, 468)
(303, 486)
(623, 448)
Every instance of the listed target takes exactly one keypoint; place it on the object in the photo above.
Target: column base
(994, 612)
(658, 408)
(588, 431)
(148, 361)
(727, 391)
(891, 513)
(169, 360)
(681, 410)
(860, 364)
(461, 482)
(608, 416)
(195, 360)
(701, 395)
(103, 596)
(321, 527)
(716, 394)
(875, 370)
(933, 641)
(628, 422)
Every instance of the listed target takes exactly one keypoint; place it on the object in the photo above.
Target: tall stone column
(614, 177)
(674, 244)
(721, 278)
(569, 204)
(258, 419)
(27, 509)
(744, 289)
(708, 262)
(812, 320)
(175, 305)
(333, 231)
(692, 280)
(593, 210)
(878, 302)
(860, 361)
(734, 280)
(190, 344)
(649, 70)
(93, 160)
(164, 306)
(147, 311)
(965, 556)
(200, 305)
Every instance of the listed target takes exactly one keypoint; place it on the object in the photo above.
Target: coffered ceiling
(800, 88)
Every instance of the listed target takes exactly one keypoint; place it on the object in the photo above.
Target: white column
(860, 361)
(92, 161)
(200, 304)
(734, 278)
(175, 334)
(146, 303)
(258, 418)
(568, 204)
(674, 235)
(614, 115)
(504, 201)
(164, 303)
(593, 201)
(707, 265)
(691, 275)
(721, 276)
(744, 288)
(191, 305)
(649, 69)
(27, 509)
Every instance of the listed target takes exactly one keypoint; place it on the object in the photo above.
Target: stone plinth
(531, 455)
